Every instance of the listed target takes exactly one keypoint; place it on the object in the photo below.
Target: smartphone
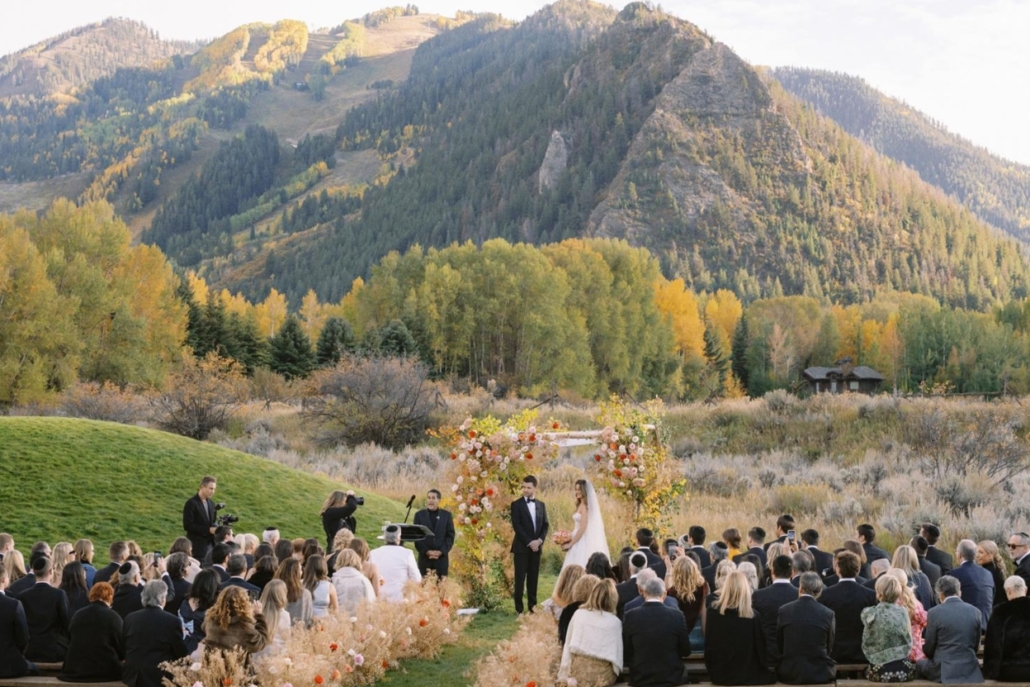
(790, 535)
(157, 558)
(255, 594)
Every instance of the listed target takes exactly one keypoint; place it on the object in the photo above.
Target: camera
(226, 518)
(360, 500)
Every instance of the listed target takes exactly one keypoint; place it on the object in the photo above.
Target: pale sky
(965, 63)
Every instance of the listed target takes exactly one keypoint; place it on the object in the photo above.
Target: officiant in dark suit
(434, 550)
(529, 520)
(198, 519)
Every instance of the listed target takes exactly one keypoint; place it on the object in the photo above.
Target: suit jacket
(951, 638)
(182, 590)
(846, 600)
(152, 636)
(823, 561)
(627, 591)
(654, 562)
(639, 601)
(522, 523)
(105, 573)
(977, 589)
(931, 570)
(242, 584)
(198, 517)
(874, 553)
(14, 637)
(223, 574)
(768, 601)
(804, 639)
(654, 640)
(128, 599)
(941, 559)
(96, 650)
(1007, 645)
(442, 538)
(702, 554)
(735, 649)
(709, 575)
(46, 609)
(21, 586)
(1023, 569)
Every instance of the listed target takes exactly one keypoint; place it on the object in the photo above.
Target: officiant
(434, 550)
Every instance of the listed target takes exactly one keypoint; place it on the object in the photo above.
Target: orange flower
(597, 457)
(617, 473)
(385, 664)
(336, 675)
(475, 521)
(454, 456)
(446, 603)
(319, 679)
(613, 446)
(348, 668)
(472, 434)
(532, 438)
(226, 681)
(334, 646)
(423, 622)
(632, 456)
(530, 684)
(529, 456)
(555, 425)
(490, 491)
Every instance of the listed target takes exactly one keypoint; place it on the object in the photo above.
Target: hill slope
(64, 478)
(997, 190)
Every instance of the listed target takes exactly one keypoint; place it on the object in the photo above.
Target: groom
(529, 520)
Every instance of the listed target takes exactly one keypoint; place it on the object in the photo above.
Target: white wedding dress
(593, 539)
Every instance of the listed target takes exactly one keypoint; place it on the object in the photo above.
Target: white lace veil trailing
(595, 537)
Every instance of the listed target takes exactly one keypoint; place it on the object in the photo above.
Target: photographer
(338, 513)
(198, 518)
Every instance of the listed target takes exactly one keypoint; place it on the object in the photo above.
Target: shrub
(385, 401)
(93, 401)
(530, 657)
(201, 397)
(797, 499)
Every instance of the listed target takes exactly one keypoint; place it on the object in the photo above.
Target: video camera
(226, 519)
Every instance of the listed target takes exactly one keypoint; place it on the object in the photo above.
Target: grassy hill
(62, 478)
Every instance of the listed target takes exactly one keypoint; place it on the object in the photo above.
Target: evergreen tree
(337, 338)
(395, 340)
(714, 354)
(738, 351)
(251, 349)
(291, 354)
(194, 313)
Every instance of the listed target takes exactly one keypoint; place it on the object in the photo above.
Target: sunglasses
(1017, 546)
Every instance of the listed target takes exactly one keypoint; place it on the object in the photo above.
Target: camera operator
(198, 518)
(338, 513)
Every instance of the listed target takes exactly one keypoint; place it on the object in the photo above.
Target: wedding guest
(769, 600)
(988, 556)
(887, 634)
(323, 593)
(117, 553)
(805, 636)
(654, 639)
(906, 558)
(277, 619)
(177, 567)
(183, 545)
(299, 603)
(562, 594)
(83, 552)
(593, 649)
(73, 583)
(598, 564)
(264, 570)
(952, 637)
(580, 593)
(352, 587)
(46, 609)
(231, 624)
(61, 556)
(731, 537)
(96, 647)
(689, 590)
(1007, 644)
(151, 638)
(193, 609)
(916, 614)
(14, 628)
(397, 565)
(369, 568)
(128, 595)
(734, 638)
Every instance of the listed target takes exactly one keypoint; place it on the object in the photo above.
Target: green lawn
(61, 479)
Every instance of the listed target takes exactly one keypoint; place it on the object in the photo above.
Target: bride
(588, 534)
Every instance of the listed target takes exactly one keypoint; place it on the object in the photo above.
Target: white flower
(447, 630)
(353, 619)
(407, 630)
(454, 487)
(195, 666)
(382, 635)
(288, 661)
(351, 652)
(636, 440)
(460, 479)
(622, 485)
(462, 507)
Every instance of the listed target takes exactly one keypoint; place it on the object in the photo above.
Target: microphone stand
(408, 514)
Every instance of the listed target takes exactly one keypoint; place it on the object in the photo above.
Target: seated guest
(916, 614)
(177, 567)
(804, 632)
(128, 596)
(368, 567)
(184, 545)
(248, 544)
(928, 567)
(83, 552)
(642, 577)
(316, 580)
(750, 571)
(784, 524)
(152, 637)
(352, 587)
(264, 570)
(580, 593)
(231, 623)
(73, 583)
(270, 536)
(769, 600)
(803, 562)
(341, 542)
(1007, 645)
(46, 609)
(219, 556)
(887, 635)
(298, 599)
(396, 564)
(628, 590)
(989, 558)
(847, 599)
(311, 548)
(689, 590)
(562, 594)
(118, 552)
(734, 638)
(717, 552)
(15, 562)
(283, 550)
(97, 648)
(192, 611)
(977, 583)
(877, 568)
(24, 579)
(932, 534)
(722, 571)
(593, 652)
(952, 637)
(647, 545)
(905, 558)
(655, 640)
(277, 620)
(236, 566)
(14, 631)
(600, 566)
(223, 535)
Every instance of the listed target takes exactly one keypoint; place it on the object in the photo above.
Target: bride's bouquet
(561, 537)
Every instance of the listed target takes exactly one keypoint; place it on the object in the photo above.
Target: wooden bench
(48, 681)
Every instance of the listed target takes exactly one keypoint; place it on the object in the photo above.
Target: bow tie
(530, 500)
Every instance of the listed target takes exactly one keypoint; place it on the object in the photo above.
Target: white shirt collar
(781, 581)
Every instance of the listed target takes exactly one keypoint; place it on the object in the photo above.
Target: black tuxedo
(198, 517)
(702, 555)
(105, 573)
(823, 561)
(14, 638)
(941, 559)
(46, 609)
(21, 586)
(768, 602)
(441, 540)
(96, 650)
(527, 562)
(1023, 569)
(654, 562)
(654, 640)
(846, 600)
(627, 591)
(804, 640)
(152, 636)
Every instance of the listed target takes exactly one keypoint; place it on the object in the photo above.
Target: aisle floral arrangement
(341, 650)
(528, 659)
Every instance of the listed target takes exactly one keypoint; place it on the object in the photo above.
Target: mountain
(82, 55)
(995, 189)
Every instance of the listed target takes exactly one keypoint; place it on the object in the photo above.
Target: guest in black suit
(337, 514)
(529, 520)
(926, 566)
(855, 547)
(434, 551)
(152, 637)
(642, 577)
(628, 590)
(14, 633)
(645, 539)
(128, 596)
(118, 553)
(805, 637)
(734, 639)
(719, 552)
(654, 640)
(177, 566)
(1007, 644)
(695, 541)
(769, 600)
(1019, 551)
(198, 518)
(46, 609)
(846, 599)
(784, 524)
(237, 568)
(97, 647)
(803, 562)
(219, 556)
(823, 559)
(867, 535)
(755, 540)
(940, 558)
(26, 581)
(977, 584)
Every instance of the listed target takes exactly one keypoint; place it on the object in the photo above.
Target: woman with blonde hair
(231, 624)
(750, 572)
(916, 614)
(887, 635)
(905, 558)
(316, 581)
(61, 556)
(369, 568)
(724, 569)
(340, 542)
(277, 620)
(83, 552)
(562, 594)
(298, 599)
(593, 650)
(989, 558)
(735, 645)
(687, 586)
(15, 562)
(352, 587)
(580, 593)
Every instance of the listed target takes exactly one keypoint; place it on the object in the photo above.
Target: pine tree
(336, 340)
(714, 355)
(738, 352)
(291, 354)
(395, 339)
